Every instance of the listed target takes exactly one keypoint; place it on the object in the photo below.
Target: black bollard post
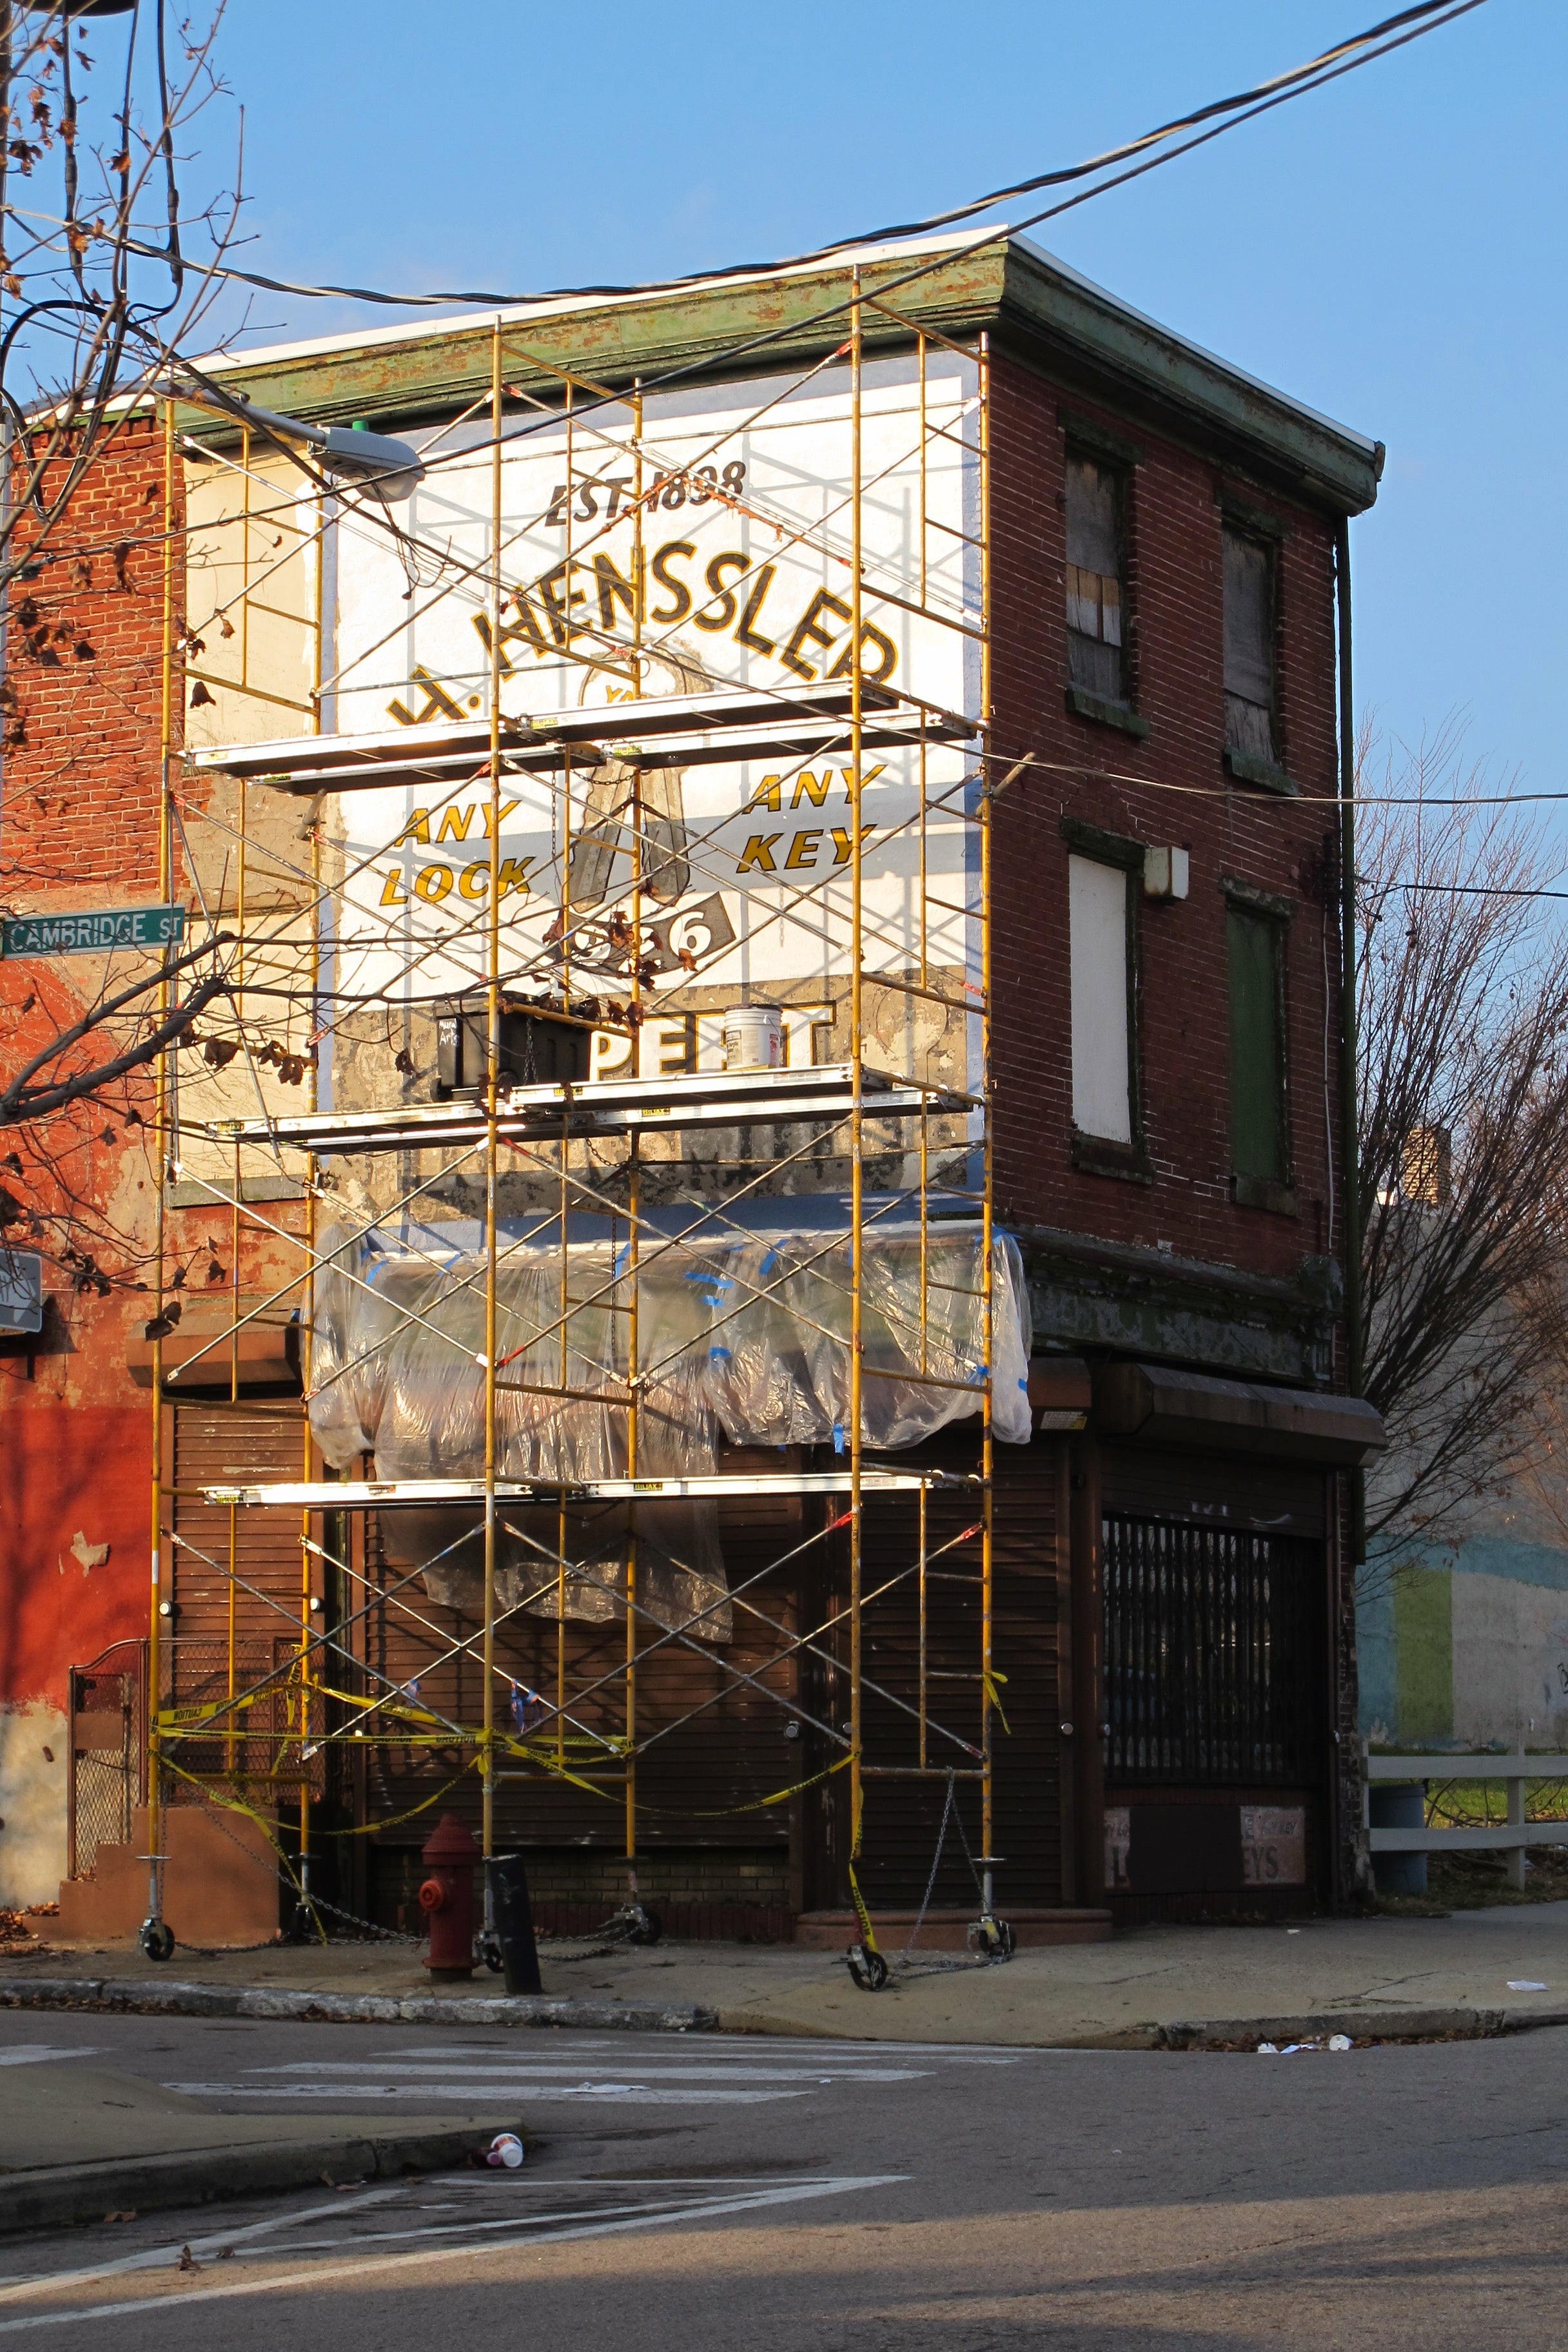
(514, 1924)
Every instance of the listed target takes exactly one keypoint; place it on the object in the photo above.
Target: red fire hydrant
(446, 1898)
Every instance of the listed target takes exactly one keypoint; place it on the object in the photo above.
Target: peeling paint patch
(33, 1744)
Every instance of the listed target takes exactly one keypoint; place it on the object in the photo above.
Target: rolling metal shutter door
(698, 1786)
(213, 1447)
(903, 1817)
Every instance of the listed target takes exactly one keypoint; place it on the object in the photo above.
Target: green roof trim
(788, 318)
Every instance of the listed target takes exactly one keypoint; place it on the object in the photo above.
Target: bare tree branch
(1462, 976)
(19, 1101)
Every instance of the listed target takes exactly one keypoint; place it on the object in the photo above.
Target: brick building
(1165, 536)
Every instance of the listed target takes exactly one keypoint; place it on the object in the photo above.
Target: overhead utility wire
(1345, 57)
(1355, 52)
(1358, 49)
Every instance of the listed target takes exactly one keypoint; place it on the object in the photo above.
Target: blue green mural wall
(1466, 1648)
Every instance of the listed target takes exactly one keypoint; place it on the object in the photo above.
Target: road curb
(67, 2194)
(137, 1996)
(153, 1999)
(1216, 2032)
(1360, 2024)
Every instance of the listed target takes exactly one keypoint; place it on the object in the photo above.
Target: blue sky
(1391, 250)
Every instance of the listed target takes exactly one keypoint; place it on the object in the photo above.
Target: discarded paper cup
(1339, 2042)
(505, 2148)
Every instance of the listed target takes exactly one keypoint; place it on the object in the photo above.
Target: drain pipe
(1348, 1153)
(1343, 1807)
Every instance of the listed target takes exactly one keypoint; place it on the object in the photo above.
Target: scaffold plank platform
(678, 730)
(369, 1494)
(604, 1106)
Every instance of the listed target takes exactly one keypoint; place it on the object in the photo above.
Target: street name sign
(92, 933)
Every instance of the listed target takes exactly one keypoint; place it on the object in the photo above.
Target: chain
(369, 1926)
(935, 1867)
(969, 1858)
(931, 1965)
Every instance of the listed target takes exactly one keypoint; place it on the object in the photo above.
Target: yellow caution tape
(868, 1933)
(395, 1821)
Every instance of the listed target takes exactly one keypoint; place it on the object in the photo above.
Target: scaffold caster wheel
(489, 1951)
(870, 1970)
(993, 1938)
(644, 1925)
(157, 1939)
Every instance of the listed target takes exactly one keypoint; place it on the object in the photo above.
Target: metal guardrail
(1509, 1837)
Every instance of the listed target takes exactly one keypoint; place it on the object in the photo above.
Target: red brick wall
(78, 828)
(1173, 583)
(81, 788)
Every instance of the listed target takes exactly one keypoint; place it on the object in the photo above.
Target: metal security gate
(107, 1744)
(1212, 1656)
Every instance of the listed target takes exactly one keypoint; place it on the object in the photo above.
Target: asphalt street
(720, 2190)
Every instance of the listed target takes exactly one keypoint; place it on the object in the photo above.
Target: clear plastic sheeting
(778, 1351)
(743, 1336)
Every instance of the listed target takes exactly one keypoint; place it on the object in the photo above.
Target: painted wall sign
(1273, 1846)
(746, 867)
(94, 933)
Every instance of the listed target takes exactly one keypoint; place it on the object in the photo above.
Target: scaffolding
(547, 1322)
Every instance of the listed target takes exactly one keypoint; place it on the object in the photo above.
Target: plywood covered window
(1249, 679)
(1100, 925)
(1259, 1099)
(1096, 654)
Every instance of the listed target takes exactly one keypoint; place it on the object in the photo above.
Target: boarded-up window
(1094, 580)
(1098, 917)
(1249, 645)
(1258, 1136)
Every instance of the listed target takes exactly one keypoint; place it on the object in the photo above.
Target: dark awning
(202, 1357)
(1061, 1392)
(1166, 1407)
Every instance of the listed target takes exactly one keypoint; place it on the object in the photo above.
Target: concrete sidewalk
(79, 2142)
(1157, 1986)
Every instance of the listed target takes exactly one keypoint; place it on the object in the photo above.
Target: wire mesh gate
(107, 1730)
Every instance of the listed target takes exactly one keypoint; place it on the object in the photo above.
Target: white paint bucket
(753, 1037)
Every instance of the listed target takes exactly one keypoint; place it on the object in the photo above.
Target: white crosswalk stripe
(608, 2070)
(526, 2069)
(540, 2213)
(32, 2053)
(482, 2089)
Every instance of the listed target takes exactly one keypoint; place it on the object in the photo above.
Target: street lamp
(392, 467)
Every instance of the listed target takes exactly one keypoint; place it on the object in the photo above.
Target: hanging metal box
(535, 1050)
(21, 1290)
